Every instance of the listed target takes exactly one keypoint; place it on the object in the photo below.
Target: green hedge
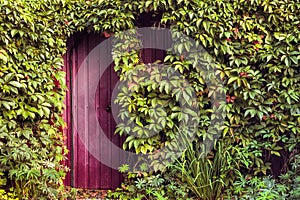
(32, 42)
(255, 44)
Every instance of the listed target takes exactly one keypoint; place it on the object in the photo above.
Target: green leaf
(147, 4)
(16, 84)
(31, 115)
(232, 79)
(24, 114)
(13, 32)
(279, 36)
(180, 48)
(46, 111)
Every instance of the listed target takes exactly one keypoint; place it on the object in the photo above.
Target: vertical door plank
(74, 161)
(82, 124)
(116, 139)
(104, 121)
(93, 163)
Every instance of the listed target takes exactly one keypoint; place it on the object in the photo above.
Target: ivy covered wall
(255, 44)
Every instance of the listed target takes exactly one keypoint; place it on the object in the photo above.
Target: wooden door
(86, 171)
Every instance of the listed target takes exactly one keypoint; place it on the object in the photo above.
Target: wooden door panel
(86, 170)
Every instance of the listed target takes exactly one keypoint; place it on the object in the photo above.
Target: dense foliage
(255, 45)
(151, 186)
(32, 43)
(285, 187)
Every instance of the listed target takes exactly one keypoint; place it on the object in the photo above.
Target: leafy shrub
(291, 179)
(285, 187)
(142, 185)
(295, 190)
(4, 194)
(8, 195)
(261, 188)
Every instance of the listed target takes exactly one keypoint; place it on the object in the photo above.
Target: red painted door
(86, 171)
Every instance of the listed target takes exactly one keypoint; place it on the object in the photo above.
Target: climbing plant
(256, 52)
(32, 91)
(256, 45)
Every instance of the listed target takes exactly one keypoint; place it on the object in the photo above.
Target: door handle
(108, 108)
